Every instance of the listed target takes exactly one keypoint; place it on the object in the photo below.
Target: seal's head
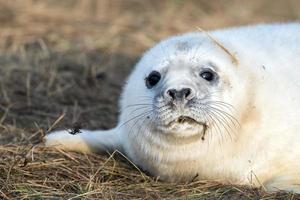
(183, 87)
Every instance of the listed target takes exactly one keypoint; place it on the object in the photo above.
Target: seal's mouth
(184, 126)
(186, 119)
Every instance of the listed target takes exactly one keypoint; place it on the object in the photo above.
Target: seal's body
(223, 105)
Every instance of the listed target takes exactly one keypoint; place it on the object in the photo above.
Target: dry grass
(71, 57)
(45, 173)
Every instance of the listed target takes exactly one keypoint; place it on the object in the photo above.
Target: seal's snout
(179, 94)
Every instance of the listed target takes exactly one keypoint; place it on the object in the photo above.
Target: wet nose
(184, 93)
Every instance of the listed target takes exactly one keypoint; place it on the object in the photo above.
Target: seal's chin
(184, 126)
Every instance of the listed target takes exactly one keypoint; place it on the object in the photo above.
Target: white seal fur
(223, 105)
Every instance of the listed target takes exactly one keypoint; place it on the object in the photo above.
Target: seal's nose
(178, 95)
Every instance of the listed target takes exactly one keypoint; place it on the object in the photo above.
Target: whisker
(219, 115)
(229, 116)
(145, 97)
(145, 118)
(220, 107)
(221, 103)
(223, 122)
(225, 115)
(136, 121)
(207, 120)
(214, 124)
(139, 115)
(196, 51)
(137, 109)
(203, 54)
(138, 104)
(150, 124)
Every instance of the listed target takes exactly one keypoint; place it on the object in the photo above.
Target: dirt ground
(63, 62)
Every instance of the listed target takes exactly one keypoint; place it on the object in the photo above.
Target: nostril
(186, 92)
(172, 93)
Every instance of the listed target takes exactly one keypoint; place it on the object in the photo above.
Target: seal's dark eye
(152, 79)
(208, 75)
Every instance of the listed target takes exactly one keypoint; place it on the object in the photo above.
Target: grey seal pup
(221, 105)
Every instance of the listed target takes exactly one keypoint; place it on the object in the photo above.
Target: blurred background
(127, 25)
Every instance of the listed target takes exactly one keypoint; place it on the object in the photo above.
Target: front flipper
(86, 141)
